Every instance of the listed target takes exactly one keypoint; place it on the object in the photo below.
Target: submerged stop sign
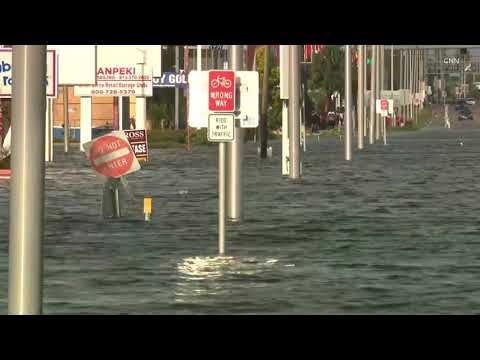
(111, 156)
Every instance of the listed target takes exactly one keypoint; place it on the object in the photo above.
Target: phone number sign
(119, 81)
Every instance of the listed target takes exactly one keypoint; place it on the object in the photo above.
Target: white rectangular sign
(77, 64)
(284, 70)
(379, 108)
(247, 99)
(221, 128)
(130, 55)
(6, 73)
(119, 81)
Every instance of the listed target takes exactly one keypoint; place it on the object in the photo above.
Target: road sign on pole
(111, 155)
(221, 90)
(221, 128)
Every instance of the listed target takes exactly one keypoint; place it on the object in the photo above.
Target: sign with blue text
(6, 73)
(171, 79)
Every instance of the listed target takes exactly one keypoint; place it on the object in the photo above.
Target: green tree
(327, 75)
(275, 109)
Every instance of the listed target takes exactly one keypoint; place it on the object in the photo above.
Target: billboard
(130, 55)
(6, 79)
(77, 64)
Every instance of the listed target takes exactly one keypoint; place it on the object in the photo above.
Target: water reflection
(222, 275)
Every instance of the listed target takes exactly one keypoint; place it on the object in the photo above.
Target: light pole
(28, 180)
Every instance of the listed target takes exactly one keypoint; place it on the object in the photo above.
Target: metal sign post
(221, 129)
(360, 95)
(234, 166)
(373, 113)
(294, 112)
(66, 131)
(284, 86)
(348, 103)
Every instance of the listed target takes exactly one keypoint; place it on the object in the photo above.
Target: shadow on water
(393, 231)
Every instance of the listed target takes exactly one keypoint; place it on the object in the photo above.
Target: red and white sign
(221, 91)
(138, 142)
(384, 104)
(120, 81)
(111, 155)
(5, 174)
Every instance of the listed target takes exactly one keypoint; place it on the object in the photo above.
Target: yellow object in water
(147, 205)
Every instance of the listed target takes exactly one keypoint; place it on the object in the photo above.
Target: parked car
(331, 119)
(470, 101)
(466, 114)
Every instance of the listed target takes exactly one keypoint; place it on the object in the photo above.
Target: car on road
(470, 101)
(465, 114)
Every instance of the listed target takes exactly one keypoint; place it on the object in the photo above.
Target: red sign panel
(111, 156)
(138, 142)
(221, 91)
(384, 104)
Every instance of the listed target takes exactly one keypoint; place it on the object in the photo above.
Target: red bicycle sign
(221, 81)
(221, 90)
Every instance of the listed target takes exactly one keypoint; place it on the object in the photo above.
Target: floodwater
(395, 231)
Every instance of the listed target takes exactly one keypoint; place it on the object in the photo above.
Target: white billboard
(130, 55)
(6, 78)
(77, 64)
(119, 81)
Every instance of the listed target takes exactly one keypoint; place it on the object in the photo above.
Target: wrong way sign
(221, 91)
(111, 155)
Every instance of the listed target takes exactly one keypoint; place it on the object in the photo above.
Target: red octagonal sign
(384, 104)
(221, 91)
(111, 156)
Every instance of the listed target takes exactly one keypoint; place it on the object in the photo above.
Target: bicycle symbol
(221, 80)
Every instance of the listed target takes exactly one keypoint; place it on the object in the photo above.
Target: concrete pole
(294, 112)
(391, 84)
(66, 127)
(141, 112)
(413, 82)
(125, 113)
(284, 71)
(85, 121)
(235, 155)
(360, 94)
(373, 95)
(177, 90)
(28, 180)
(382, 82)
(199, 57)
(264, 105)
(377, 90)
(348, 103)
(364, 106)
(401, 79)
(407, 83)
(410, 77)
(417, 81)
(48, 132)
(120, 113)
